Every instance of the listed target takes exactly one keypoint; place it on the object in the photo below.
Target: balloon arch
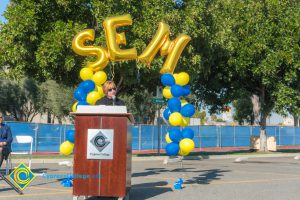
(179, 138)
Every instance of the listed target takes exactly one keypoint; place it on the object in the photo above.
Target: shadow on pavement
(206, 177)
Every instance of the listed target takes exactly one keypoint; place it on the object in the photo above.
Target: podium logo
(100, 141)
(22, 176)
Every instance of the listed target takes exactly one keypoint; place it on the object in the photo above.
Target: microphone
(114, 99)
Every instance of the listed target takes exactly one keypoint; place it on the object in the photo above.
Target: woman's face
(111, 92)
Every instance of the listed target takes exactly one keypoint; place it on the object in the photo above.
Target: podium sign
(100, 144)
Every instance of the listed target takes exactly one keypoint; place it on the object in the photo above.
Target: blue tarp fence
(48, 137)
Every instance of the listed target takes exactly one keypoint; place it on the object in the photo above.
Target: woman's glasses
(111, 89)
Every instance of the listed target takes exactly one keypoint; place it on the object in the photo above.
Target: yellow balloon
(113, 39)
(183, 102)
(167, 92)
(99, 78)
(175, 119)
(156, 43)
(185, 121)
(176, 78)
(74, 107)
(86, 73)
(168, 140)
(174, 50)
(79, 48)
(186, 145)
(66, 148)
(182, 153)
(183, 78)
(92, 97)
(99, 89)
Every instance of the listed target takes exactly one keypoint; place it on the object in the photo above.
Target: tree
(262, 39)
(20, 99)
(57, 99)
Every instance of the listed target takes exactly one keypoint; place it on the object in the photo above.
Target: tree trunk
(296, 120)
(263, 133)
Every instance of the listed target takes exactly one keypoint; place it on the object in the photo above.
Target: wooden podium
(102, 177)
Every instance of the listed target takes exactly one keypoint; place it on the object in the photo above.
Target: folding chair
(21, 139)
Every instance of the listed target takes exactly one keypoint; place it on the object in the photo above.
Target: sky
(3, 4)
(275, 119)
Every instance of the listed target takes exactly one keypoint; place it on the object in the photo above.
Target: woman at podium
(110, 99)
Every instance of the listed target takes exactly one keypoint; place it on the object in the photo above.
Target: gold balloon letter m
(162, 42)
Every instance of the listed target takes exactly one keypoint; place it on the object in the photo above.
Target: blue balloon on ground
(175, 135)
(70, 135)
(80, 94)
(88, 86)
(167, 113)
(188, 110)
(172, 149)
(174, 104)
(168, 79)
(186, 90)
(177, 90)
(187, 133)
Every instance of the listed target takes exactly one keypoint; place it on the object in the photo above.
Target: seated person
(5, 140)
(110, 91)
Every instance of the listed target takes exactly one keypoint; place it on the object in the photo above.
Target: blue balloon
(174, 104)
(186, 90)
(177, 90)
(87, 85)
(70, 135)
(188, 110)
(80, 94)
(188, 133)
(172, 149)
(167, 113)
(168, 79)
(175, 135)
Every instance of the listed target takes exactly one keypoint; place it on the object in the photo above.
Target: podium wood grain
(115, 174)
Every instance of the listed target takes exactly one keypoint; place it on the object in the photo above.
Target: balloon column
(178, 113)
(66, 148)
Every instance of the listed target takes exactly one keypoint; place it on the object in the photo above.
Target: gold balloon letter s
(79, 48)
(113, 39)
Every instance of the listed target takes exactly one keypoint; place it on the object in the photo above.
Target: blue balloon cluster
(172, 149)
(174, 105)
(83, 89)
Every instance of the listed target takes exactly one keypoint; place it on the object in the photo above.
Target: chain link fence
(48, 137)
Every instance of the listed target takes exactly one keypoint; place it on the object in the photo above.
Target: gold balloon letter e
(113, 39)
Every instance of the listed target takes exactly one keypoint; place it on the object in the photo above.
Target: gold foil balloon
(99, 52)
(99, 78)
(113, 39)
(86, 73)
(156, 43)
(174, 50)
